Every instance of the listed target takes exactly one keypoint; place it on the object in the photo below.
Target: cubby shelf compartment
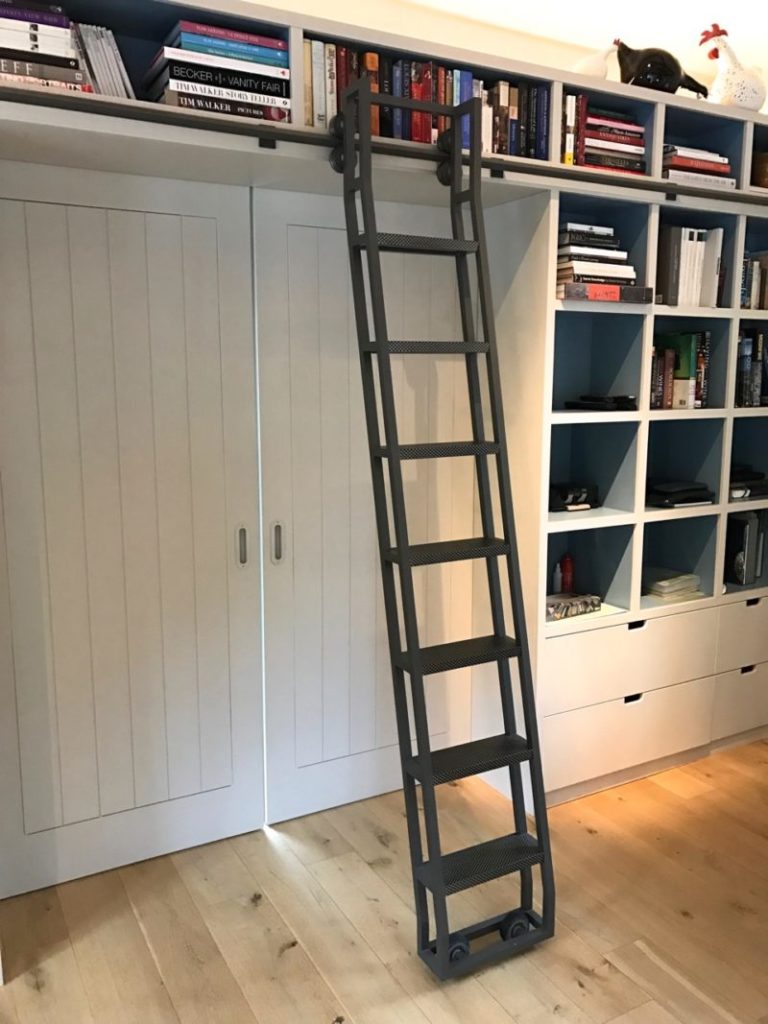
(685, 217)
(755, 241)
(761, 579)
(749, 444)
(599, 354)
(602, 561)
(759, 147)
(687, 545)
(600, 454)
(719, 333)
(640, 111)
(686, 449)
(628, 218)
(712, 132)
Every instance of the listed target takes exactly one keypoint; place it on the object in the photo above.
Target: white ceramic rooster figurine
(735, 85)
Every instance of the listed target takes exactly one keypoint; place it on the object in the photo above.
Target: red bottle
(566, 568)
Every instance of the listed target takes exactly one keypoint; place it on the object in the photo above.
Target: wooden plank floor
(662, 919)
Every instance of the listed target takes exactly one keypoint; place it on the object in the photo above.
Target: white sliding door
(331, 734)
(130, 667)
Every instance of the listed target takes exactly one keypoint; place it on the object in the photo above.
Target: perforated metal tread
(420, 243)
(482, 863)
(480, 650)
(451, 551)
(441, 450)
(467, 759)
(432, 348)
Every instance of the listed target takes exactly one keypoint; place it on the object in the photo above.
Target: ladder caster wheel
(514, 925)
(445, 141)
(443, 172)
(336, 127)
(336, 159)
(459, 949)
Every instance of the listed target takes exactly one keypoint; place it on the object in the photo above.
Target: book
(541, 148)
(45, 72)
(223, 78)
(668, 265)
(756, 368)
(27, 27)
(342, 73)
(694, 178)
(237, 95)
(613, 161)
(684, 346)
(685, 163)
(369, 65)
(603, 292)
(602, 242)
(51, 83)
(711, 267)
(583, 251)
(214, 106)
(385, 86)
(596, 142)
(695, 154)
(569, 130)
(40, 15)
(744, 373)
(49, 59)
(616, 271)
(309, 112)
(330, 83)
(319, 119)
(225, 48)
(667, 377)
(232, 35)
(397, 90)
(30, 41)
(588, 229)
(170, 54)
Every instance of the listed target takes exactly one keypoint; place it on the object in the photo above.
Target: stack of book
(689, 271)
(690, 166)
(515, 116)
(751, 369)
(604, 140)
(670, 584)
(754, 280)
(680, 370)
(591, 265)
(38, 47)
(222, 71)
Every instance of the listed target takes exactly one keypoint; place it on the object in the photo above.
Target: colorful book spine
(407, 114)
(231, 35)
(386, 127)
(331, 100)
(258, 113)
(226, 48)
(342, 73)
(397, 90)
(223, 79)
(309, 113)
(464, 95)
(51, 17)
(318, 84)
(369, 65)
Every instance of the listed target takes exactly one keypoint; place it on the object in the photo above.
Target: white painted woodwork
(742, 634)
(129, 639)
(330, 712)
(592, 742)
(602, 664)
(741, 701)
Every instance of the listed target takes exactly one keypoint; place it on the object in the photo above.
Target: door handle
(241, 546)
(276, 542)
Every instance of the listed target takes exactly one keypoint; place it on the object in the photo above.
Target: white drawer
(743, 634)
(741, 701)
(606, 738)
(602, 664)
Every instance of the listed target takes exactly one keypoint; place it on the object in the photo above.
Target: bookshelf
(554, 349)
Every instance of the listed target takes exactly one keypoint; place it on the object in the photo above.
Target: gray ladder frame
(448, 954)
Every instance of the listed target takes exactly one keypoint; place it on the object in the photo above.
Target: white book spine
(31, 43)
(697, 178)
(330, 82)
(309, 114)
(487, 124)
(256, 99)
(711, 271)
(318, 84)
(30, 28)
(701, 242)
(616, 147)
(223, 63)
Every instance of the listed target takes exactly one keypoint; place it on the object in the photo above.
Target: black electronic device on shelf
(678, 493)
(573, 497)
(604, 403)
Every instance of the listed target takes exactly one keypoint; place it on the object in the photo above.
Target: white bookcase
(640, 681)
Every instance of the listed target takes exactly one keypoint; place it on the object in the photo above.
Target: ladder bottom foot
(525, 929)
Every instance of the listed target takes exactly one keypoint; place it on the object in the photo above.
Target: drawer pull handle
(640, 624)
(633, 698)
(747, 669)
(752, 602)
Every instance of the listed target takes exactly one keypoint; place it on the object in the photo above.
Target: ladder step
(467, 759)
(479, 650)
(431, 348)
(421, 243)
(441, 450)
(482, 863)
(452, 551)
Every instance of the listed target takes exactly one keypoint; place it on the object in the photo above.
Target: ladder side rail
(397, 495)
(513, 561)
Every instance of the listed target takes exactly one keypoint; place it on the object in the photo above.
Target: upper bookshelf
(141, 27)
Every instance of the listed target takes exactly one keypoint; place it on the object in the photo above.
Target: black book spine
(533, 121)
(522, 128)
(629, 163)
(407, 119)
(222, 79)
(45, 72)
(40, 58)
(386, 127)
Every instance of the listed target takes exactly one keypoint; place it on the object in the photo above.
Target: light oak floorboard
(660, 920)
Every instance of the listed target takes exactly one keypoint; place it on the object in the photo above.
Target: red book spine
(229, 34)
(624, 140)
(581, 126)
(417, 78)
(690, 164)
(615, 170)
(342, 73)
(442, 121)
